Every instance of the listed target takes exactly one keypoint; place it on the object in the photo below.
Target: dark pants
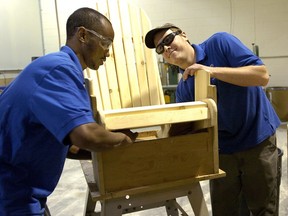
(47, 212)
(252, 173)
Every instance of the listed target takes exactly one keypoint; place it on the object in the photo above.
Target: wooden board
(152, 66)
(107, 76)
(147, 163)
(128, 44)
(119, 56)
(87, 168)
(146, 116)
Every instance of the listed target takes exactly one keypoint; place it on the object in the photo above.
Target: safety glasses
(104, 42)
(166, 41)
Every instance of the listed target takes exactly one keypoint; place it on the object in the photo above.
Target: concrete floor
(68, 199)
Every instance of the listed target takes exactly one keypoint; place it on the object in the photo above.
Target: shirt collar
(200, 55)
(72, 55)
(199, 52)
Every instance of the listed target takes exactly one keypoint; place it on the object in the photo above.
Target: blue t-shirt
(245, 115)
(38, 110)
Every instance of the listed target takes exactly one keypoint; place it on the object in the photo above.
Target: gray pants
(252, 173)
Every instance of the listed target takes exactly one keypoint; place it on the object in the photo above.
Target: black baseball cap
(149, 38)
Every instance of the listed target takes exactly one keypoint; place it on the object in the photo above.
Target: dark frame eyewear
(166, 41)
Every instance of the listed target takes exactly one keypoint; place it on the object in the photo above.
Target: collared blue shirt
(245, 115)
(38, 110)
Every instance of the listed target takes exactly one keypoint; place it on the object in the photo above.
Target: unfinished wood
(119, 56)
(95, 92)
(152, 66)
(104, 89)
(204, 91)
(198, 205)
(130, 96)
(87, 168)
(156, 161)
(201, 91)
(214, 135)
(154, 115)
(130, 75)
(128, 43)
(139, 54)
(107, 76)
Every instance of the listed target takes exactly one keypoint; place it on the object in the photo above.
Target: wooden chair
(127, 94)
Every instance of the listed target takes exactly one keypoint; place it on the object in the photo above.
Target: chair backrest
(130, 76)
(130, 79)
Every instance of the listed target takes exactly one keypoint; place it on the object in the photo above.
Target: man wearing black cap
(246, 120)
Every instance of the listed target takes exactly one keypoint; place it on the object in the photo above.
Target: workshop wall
(42, 26)
(21, 35)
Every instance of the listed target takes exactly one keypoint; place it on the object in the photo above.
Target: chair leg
(89, 209)
(47, 212)
(197, 201)
(171, 207)
(110, 207)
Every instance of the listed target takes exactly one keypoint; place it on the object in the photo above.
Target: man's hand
(190, 71)
(128, 133)
(94, 137)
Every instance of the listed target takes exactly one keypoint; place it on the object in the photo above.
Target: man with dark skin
(46, 109)
(87, 136)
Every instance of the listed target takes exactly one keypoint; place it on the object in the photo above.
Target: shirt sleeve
(235, 52)
(61, 102)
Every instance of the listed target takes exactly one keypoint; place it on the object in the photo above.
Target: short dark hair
(86, 17)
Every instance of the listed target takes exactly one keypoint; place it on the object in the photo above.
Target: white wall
(21, 35)
(54, 24)
(263, 22)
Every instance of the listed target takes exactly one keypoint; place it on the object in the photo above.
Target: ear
(81, 35)
(183, 34)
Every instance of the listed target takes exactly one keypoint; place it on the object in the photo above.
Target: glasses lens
(165, 42)
(105, 44)
(168, 39)
(160, 49)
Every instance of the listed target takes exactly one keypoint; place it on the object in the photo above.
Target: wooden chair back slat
(130, 76)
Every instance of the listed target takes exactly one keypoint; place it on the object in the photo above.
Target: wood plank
(92, 86)
(214, 122)
(151, 64)
(119, 56)
(100, 85)
(98, 171)
(157, 161)
(146, 116)
(128, 42)
(109, 87)
(136, 24)
(197, 201)
(158, 188)
(203, 88)
(94, 90)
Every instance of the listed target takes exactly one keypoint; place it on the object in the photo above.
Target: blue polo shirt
(38, 110)
(245, 115)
